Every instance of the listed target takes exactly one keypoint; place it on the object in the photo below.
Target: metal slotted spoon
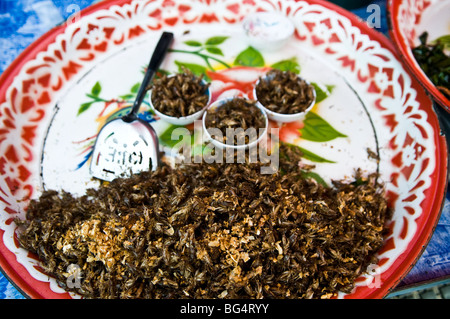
(129, 145)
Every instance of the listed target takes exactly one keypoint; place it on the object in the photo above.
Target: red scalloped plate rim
(33, 288)
(17, 274)
(415, 248)
(411, 64)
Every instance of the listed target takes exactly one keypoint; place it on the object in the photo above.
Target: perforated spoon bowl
(129, 145)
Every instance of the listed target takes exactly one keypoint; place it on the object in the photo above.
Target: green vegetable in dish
(434, 61)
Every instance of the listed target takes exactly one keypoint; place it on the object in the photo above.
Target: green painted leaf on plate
(128, 96)
(288, 65)
(322, 92)
(214, 50)
(307, 154)
(193, 43)
(84, 107)
(96, 89)
(316, 129)
(216, 40)
(167, 137)
(135, 88)
(313, 157)
(315, 176)
(250, 57)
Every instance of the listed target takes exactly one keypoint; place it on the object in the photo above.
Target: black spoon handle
(157, 57)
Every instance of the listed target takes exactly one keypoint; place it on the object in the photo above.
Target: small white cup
(184, 120)
(281, 117)
(222, 145)
(267, 30)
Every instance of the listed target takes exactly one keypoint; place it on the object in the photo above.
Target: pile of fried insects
(211, 231)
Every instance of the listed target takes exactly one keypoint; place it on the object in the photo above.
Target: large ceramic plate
(60, 91)
(408, 20)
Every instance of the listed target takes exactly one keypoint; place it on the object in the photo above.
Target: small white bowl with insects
(180, 98)
(284, 95)
(235, 123)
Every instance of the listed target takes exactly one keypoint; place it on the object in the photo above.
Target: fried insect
(210, 231)
(236, 115)
(284, 92)
(180, 95)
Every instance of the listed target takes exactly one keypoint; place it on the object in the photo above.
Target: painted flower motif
(322, 31)
(95, 36)
(14, 173)
(381, 80)
(34, 92)
(236, 81)
(12, 170)
(287, 132)
(409, 155)
(55, 68)
(92, 37)
(410, 13)
(168, 11)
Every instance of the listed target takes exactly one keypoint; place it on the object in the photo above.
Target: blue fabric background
(24, 21)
